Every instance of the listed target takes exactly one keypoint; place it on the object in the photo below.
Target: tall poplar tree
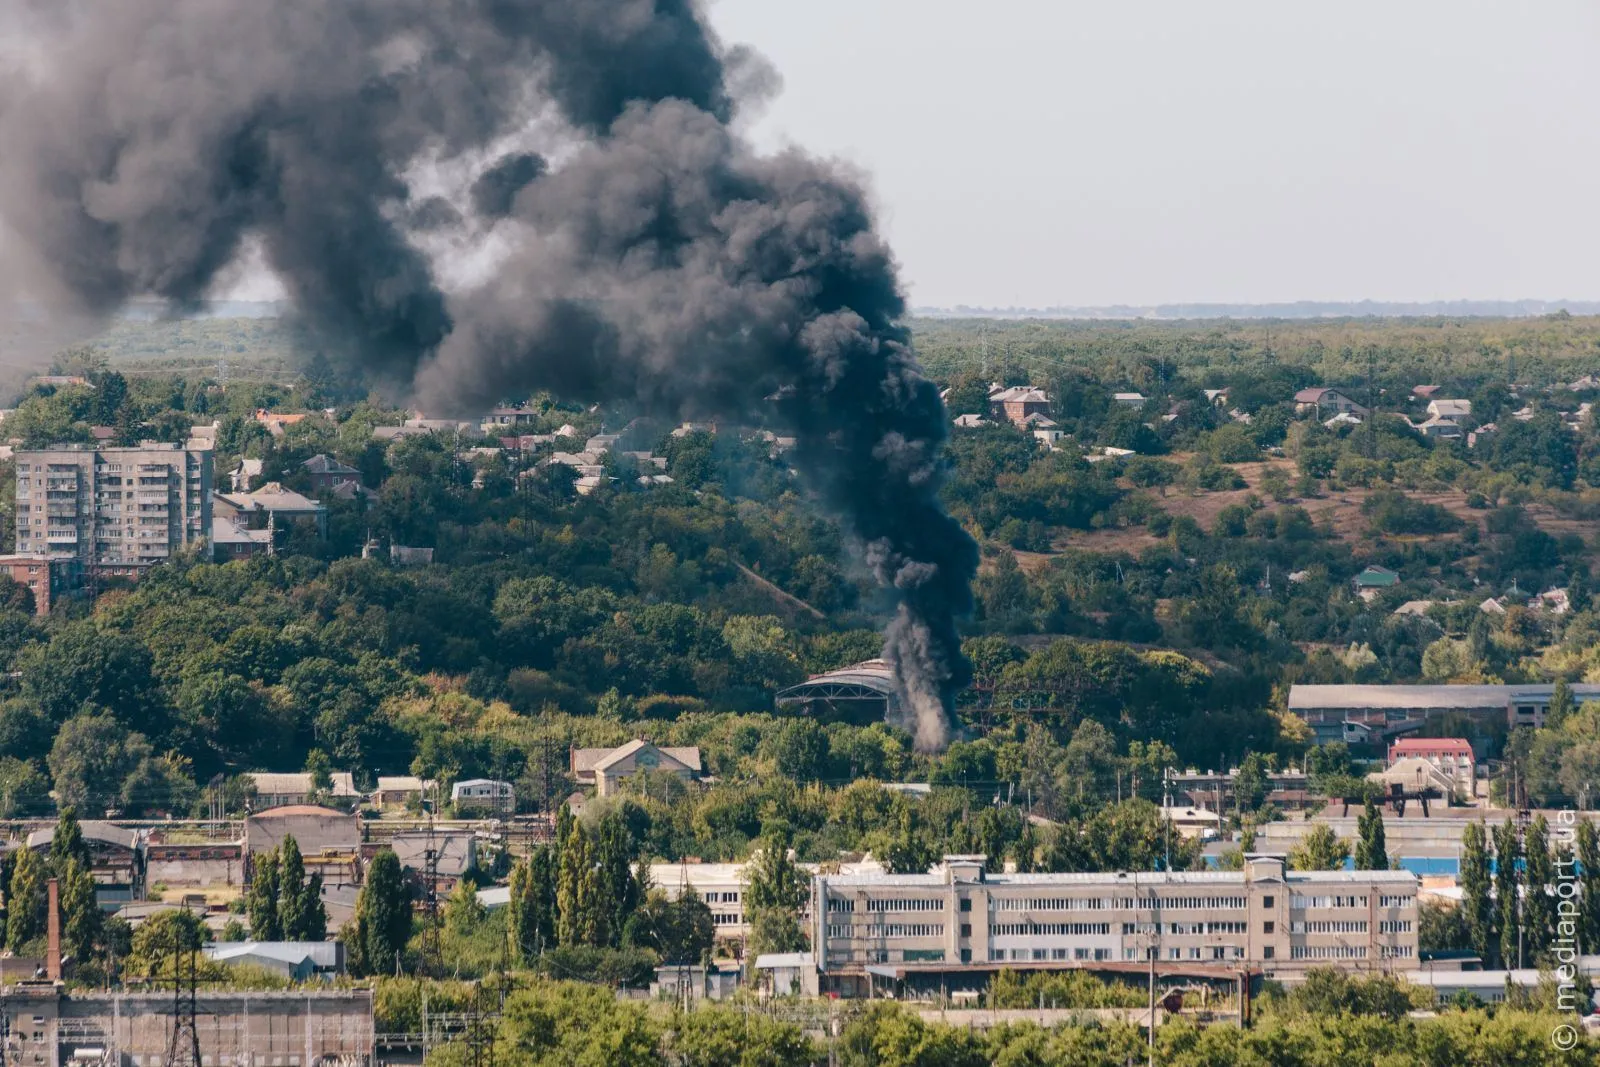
(27, 899)
(1588, 860)
(378, 931)
(1477, 899)
(1372, 853)
(1506, 852)
(1538, 906)
(262, 901)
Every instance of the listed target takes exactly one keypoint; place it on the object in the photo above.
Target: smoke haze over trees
(474, 199)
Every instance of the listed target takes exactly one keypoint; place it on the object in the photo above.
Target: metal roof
(866, 680)
(1414, 697)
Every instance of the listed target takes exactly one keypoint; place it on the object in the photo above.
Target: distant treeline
(1402, 352)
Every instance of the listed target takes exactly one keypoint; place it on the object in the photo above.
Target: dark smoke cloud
(497, 188)
(661, 261)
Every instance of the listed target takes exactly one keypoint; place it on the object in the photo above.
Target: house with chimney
(1017, 403)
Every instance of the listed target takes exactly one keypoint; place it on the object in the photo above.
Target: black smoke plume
(639, 248)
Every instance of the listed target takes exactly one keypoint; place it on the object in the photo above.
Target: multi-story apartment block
(959, 920)
(118, 510)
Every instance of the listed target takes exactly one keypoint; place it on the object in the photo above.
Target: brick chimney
(52, 961)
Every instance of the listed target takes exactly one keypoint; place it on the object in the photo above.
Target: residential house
(1218, 397)
(518, 415)
(1554, 601)
(48, 578)
(277, 421)
(231, 541)
(116, 860)
(1343, 418)
(1324, 402)
(605, 769)
(271, 507)
(276, 790)
(1373, 580)
(1018, 402)
(245, 475)
(328, 474)
(1453, 756)
(483, 795)
(1450, 409)
(1130, 400)
(1193, 822)
(400, 790)
(1424, 392)
(970, 422)
(1482, 433)
(1440, 428)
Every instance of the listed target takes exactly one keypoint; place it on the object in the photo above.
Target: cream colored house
(605, 768)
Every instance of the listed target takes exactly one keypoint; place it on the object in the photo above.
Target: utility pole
(431, 961)
(1166, 812)
(183, 1047)
(1155, 950)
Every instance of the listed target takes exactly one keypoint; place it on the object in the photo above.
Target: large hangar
(861, 693)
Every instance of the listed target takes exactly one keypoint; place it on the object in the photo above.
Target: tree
(1319, 850)
(300, 912)
(1561, 705)
(320, 767)
(1477, 902)
(774, 889)
(1588, 857)
(378, 931)
(261, 902)
(81, 917)
(1371, 851)
(906, 851)
(1507, 851)
(1538, 906)
(162, 936)
(27, 899)
(67, 842)
(531, 910)
(92, 755)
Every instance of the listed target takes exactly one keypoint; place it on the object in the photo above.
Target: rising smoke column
(643, 251)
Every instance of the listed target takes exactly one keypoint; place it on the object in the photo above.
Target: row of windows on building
(1298, 902)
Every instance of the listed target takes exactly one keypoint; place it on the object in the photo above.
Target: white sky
(1038, 152)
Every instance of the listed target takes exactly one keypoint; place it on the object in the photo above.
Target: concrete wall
(235, 1029)
(181, 872)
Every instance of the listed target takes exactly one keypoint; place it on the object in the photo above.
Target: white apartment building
(958, 919)
(118, 510)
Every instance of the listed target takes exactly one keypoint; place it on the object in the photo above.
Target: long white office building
(960, 920)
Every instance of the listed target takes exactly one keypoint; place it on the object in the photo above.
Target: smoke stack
(52, 963)
(570, 165)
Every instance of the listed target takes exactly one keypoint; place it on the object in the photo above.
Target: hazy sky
(1141, 151)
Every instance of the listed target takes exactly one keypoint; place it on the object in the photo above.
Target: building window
(1266, 953)
(966, 903)
(1268, 927)
(966, 929)
(1268, 901)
